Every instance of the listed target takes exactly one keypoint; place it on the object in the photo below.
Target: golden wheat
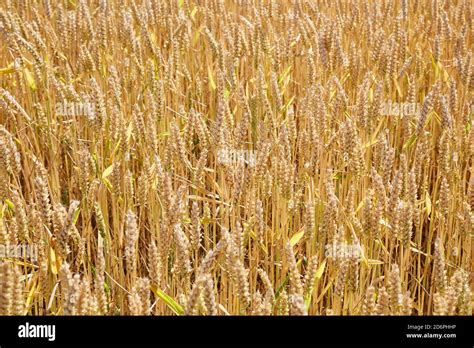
(252, 157)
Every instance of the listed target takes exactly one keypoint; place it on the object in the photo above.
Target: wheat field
(252, 157)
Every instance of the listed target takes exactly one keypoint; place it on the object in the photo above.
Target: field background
(237, 157)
